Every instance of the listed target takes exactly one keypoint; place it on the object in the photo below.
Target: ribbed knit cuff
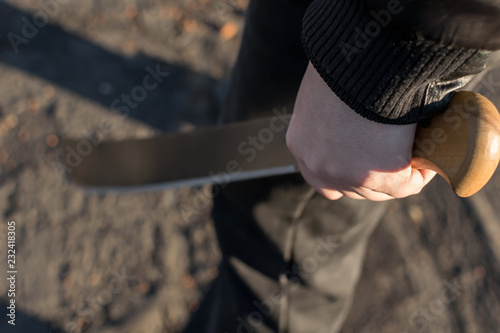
(382, 73)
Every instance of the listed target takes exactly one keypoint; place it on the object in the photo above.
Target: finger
(330, 194)
(398, 185)
(353, 195)
(319, 186)
(426, 174)
(373, 195)
(419, 178)
(415, 182)
(336, 192)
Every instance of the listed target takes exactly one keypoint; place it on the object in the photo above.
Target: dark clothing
(291, 258)
(464, 23)
(398, 61)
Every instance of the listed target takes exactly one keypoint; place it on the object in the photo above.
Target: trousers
(291, 258)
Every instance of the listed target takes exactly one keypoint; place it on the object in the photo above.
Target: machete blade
(239, 151)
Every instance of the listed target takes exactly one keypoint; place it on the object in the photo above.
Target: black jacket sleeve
(399, 61)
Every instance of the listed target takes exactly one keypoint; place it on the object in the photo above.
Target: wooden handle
(462, 144)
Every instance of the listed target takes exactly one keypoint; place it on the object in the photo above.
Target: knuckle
(316, 167)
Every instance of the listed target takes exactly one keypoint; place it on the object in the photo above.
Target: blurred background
(136, 263)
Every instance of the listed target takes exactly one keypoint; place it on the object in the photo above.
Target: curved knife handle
(462, 144)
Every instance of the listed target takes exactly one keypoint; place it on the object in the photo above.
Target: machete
(462, 145)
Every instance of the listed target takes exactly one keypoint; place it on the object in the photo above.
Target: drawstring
(287, 256)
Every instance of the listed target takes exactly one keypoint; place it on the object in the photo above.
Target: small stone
(10, 122)
(190, 25)
(416, 213)
(94, 279)
(143, 288)
(131, 12)
(188, 282)
(229, 30)
(52, 140)
(34, 104)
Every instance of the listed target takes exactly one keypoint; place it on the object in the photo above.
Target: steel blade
(239, 151)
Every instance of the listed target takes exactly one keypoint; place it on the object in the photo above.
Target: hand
(341, 153)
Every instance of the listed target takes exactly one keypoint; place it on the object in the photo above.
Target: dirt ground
(132, 263)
